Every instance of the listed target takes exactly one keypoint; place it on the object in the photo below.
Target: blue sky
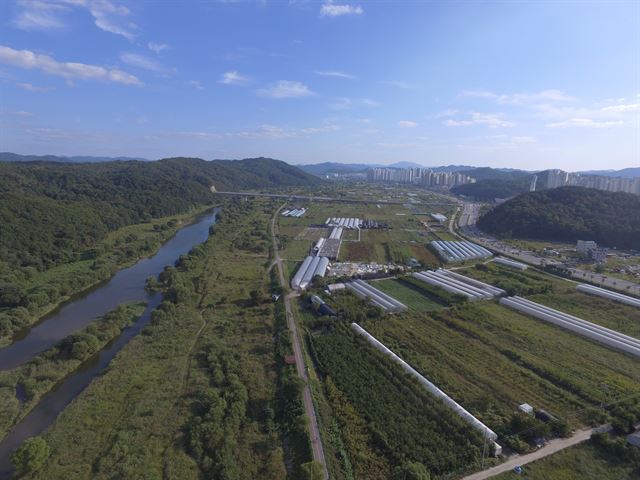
(510, 84)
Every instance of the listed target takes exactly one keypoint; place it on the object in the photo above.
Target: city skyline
(528, 86)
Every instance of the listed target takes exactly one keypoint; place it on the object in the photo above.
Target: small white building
(526, 408)
(583, 246)
(439, 217)
(334, 287)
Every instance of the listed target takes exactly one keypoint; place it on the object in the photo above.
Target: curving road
(314, 433)
(550, 448)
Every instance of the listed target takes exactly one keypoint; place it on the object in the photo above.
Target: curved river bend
(126, 286)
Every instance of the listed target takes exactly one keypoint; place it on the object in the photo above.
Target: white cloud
(345, 103)
(491, 120)
(49, 15)
(286, 89)
(521, 98)
(39, 15)
(330, 9)
(336, 74)
(268, 131)
(623, 108)
(233, 78)
(140, 61)
(32, 88)
(585, 123)
(108, 15)
(407, 124)
(157, 47)
(68, 70)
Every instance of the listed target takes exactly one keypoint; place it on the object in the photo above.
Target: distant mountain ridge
(330, 168)
(15, 157)
(625, 172)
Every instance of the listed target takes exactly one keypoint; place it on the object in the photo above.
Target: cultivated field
(411, 297)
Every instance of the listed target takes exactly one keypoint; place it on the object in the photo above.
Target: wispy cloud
(407, 124)
(333, 73)
(157, 47)
(265, 131)
(33, 88)
(623, 108)
(233, 78)
(449, 112)
(346, 103)
(331, 9)
(69, 70)
(195, 84)
(520, 98)
(50, 15)
(397, 84)
(585, 123)
(39, 15)
(109, 17)
(492, 120)
(286, 89)
(140, 61)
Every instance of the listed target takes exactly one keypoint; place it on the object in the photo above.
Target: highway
(314, 433)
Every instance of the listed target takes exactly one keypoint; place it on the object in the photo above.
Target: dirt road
(314, 433)
(550, 448)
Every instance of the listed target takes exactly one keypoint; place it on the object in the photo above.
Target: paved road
(550, 448)
(314, 433)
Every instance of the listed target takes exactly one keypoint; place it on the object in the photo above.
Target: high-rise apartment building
(559, 178)
(418, 176)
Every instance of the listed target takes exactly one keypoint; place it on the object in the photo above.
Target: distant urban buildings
(418, 176)
(560, 178)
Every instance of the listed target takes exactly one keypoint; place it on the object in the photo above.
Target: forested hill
(569, 214)
(51, 211)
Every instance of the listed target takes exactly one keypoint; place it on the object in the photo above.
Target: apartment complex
(560, 178)
(418, 176)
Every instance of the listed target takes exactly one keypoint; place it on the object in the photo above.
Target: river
(126, 286)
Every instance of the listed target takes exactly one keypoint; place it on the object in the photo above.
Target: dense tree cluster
(51, 213)
(569, 214)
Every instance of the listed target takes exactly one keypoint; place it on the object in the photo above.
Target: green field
(563, 296)
(384, 419)
(202, 391)
(492, 359)
(402, 292)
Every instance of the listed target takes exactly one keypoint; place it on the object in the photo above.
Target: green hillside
(568, 214)
(51, 211)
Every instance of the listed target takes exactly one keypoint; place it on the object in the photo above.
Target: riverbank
(195, 394)
(22, 388)
(45, 292)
